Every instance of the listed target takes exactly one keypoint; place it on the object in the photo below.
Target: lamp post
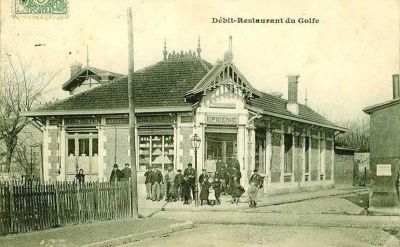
(195, 141)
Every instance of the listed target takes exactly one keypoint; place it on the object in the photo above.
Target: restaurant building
(183, 95)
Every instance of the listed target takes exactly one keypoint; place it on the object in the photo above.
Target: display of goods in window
(157, 152)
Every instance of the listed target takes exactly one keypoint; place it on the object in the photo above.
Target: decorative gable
(223, 74)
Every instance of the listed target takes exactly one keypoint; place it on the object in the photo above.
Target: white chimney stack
(292, 105)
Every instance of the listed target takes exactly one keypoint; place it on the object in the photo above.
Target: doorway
(82, 153)
(221, 146)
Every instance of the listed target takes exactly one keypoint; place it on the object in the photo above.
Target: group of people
(219, 180)
(222, 180)
(116, 174)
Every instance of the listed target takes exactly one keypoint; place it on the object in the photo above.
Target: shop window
(288, 165)
(307, 155)
(156, 151)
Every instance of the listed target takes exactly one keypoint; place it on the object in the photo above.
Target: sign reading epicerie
(384, 170)
(222, 119)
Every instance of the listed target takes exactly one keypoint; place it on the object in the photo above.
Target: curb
(260, 204)
(144, 235)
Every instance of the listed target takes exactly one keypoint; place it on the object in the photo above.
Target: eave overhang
(371, 109)
(106, 111)
(273, 114)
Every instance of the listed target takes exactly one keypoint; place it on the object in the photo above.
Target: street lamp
(195, 141)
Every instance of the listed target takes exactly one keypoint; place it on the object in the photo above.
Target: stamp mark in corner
(40, 8)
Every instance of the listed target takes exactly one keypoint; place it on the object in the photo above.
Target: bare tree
(20, 90)
(357, 136)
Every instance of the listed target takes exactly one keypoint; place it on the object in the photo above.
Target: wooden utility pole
(132, 119)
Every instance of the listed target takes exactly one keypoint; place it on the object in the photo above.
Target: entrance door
(82, 151)
(221, 146)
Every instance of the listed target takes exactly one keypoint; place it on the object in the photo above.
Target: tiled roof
(273, 104)
(164, 84)
(159, 85)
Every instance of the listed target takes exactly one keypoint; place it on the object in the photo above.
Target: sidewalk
(149, 208)
(102, 233)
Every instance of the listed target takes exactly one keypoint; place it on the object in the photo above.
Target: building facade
(183, 95)
(385, 149)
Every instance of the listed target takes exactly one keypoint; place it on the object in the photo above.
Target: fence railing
(33, 206)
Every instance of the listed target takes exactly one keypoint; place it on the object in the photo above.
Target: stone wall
(54, 155)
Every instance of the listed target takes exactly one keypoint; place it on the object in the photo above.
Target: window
(95, 146)
(156, 151)
(71, 147)
(307, 156)
(84, 147)
(288, 153)
(260, 151)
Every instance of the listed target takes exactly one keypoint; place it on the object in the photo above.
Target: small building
(183, 95)
(385, 148)
(346, 169)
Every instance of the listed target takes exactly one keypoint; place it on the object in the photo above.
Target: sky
(345, 61)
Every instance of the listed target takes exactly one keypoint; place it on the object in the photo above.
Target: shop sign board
(222, 119)
(156, 119)
(384, 170)
(80, 121)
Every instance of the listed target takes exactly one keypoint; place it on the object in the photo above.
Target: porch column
(303, 165)
(252, 151)
(101, 154)
(294, 162)
(323, 159)
(62, 142)
(176, 165)
(241, 151)
(319, 157)
(268, 157)
(46, 153)
(282, 154)
(333, 159)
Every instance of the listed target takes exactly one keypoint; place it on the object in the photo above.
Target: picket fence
(33, 206)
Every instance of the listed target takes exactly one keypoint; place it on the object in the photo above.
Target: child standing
(211, 193)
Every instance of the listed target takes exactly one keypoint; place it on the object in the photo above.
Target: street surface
(250, 235)
(330, 221)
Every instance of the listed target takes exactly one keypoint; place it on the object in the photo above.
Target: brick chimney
(292, 105)
(396, 86)
(75, 68)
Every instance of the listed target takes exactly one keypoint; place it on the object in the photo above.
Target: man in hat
(126, 172)
(191, 174)
(178, 181)
(147, 182)
(169, 182)
(156, 181)
(116, 174)
(255, 183)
